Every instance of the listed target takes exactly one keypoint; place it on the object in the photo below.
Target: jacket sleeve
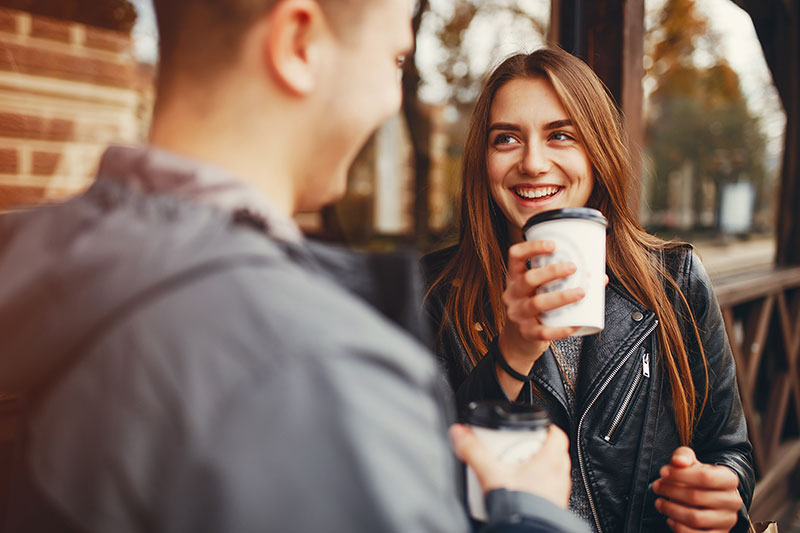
(520, 512)
(469, 382)
(721, 435)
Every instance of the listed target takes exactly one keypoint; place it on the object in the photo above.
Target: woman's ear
(293, 38)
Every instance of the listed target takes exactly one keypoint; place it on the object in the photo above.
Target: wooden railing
(762, 316)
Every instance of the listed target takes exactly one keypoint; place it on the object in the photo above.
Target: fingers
(683, 457)
(701, 476)
(681, 528)
(530, 307)
(548, 471)
(547, 333)
(525, 284)
(466, 445)
(697, 496)
(470, 450)
(694, 497)
(686, 518)
(556, 442)
(519, 253)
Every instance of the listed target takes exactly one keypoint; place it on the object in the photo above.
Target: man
(186, 359)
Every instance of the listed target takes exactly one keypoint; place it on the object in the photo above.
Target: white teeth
(539, 192)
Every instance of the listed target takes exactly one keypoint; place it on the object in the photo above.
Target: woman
(658, 438)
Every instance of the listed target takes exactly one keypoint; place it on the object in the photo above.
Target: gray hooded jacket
(183, 369)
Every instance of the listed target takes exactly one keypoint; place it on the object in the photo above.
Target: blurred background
(76, 75)
(709, 90)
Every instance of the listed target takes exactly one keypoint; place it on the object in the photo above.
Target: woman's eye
(561, 136)
(504, 138)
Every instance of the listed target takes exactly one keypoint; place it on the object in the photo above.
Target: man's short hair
(201, 37)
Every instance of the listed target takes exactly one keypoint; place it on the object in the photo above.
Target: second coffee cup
(579, 234)
(511, 432)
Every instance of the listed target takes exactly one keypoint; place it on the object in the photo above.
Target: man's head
(302, 83)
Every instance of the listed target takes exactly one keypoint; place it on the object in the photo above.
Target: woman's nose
(535, 160)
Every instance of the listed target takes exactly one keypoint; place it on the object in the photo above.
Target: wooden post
(609, 36)
(777, 24)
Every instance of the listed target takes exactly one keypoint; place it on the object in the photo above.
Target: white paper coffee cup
(511, 433)
(579, 234)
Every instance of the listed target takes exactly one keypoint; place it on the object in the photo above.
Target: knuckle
(507, 299)
(707, 477)
(694, 518)
(692, 496)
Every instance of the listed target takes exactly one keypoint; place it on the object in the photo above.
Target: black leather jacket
(624, 430)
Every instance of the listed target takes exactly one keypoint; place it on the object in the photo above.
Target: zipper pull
(646, 365)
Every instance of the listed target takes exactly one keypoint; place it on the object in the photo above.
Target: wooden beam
(609, 36)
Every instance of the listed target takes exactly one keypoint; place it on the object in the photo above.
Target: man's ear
(295, 37)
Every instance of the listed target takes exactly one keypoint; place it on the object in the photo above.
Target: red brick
(102, 39)
(45, 28)
(16, 125)
(16, 196)
(8, 21)
(21, 126)
(18, 58)
(45, 163)
(9, 161)
(59, 129)
(20, 195)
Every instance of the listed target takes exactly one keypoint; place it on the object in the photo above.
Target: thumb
(556, 442)
(554, 449)
(471, 450)
(683, 457)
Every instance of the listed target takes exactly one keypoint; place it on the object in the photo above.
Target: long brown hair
(473, 279)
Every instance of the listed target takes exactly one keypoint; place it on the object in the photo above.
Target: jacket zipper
(603, 387)
(645, 373)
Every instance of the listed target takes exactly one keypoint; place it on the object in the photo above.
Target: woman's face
(534, 160)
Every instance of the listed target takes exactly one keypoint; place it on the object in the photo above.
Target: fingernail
(659, 503)
(548, 245)
(578, 293)
(665, 471)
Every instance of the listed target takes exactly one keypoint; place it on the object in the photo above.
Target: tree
(119, 15)
(699, 116)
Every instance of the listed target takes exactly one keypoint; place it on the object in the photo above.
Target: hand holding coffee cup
(533, 459)
(525, 337)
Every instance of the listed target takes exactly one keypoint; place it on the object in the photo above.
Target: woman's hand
(697, 496)
(524, 338)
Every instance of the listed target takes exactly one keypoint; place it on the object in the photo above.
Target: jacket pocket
(625, 406)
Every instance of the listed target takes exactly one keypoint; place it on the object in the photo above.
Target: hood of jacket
(70, 271)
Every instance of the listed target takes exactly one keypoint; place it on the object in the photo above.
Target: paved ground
(723, 257)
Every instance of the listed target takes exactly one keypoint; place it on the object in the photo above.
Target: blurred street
(725, 257)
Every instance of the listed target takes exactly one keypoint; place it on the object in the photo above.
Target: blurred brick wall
(66, 91)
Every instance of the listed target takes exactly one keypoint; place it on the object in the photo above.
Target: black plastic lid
(502, 415)
(585, 213)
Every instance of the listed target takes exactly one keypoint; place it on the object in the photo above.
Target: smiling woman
(546, 135)
(535, 160)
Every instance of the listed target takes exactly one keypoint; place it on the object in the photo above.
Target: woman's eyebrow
(504, 126)
(558, 124)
